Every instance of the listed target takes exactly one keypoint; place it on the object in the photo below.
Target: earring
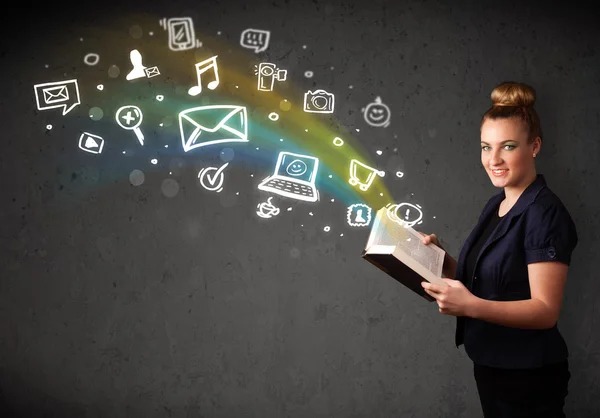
(534, 155)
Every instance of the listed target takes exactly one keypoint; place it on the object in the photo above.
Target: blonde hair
(515, 100)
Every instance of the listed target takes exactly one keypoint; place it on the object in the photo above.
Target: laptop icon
(294, 177)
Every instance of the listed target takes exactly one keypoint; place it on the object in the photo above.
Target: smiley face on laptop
(296, 168)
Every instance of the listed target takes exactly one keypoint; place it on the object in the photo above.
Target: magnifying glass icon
(130, 117)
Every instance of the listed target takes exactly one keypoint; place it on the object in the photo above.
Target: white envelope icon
(206, 125)
(56, 94)
(151, 72)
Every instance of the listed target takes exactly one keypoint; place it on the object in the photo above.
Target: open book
(398, 250)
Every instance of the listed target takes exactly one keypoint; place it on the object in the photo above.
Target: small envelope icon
(206, 125)
(151, 72)
(56, 94)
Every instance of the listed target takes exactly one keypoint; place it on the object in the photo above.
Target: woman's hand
(449, 266)
(454, 299)
(430, 239)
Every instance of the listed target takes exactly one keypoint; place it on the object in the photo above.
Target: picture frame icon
(359, 214)
(91, 143)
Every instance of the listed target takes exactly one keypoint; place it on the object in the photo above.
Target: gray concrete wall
(164, 299)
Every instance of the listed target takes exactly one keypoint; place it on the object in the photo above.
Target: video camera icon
(267, 75)
(319, 101)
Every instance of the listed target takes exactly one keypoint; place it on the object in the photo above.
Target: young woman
(506, 287)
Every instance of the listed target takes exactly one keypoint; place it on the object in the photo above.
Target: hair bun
(514, 94)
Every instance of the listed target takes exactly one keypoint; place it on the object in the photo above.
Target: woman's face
(505, 153)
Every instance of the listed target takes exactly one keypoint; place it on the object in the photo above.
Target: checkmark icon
(212, 182)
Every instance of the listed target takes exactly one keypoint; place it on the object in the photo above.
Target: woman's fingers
(433, 238)
(428, 239)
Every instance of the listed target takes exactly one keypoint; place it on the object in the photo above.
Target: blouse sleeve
(550, 234)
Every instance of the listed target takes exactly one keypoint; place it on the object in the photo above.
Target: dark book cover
(399, 271)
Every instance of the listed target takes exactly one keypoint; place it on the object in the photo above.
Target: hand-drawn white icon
(55, 94)
(131, 120)
(338, 142)
(256, 39)
(356, 215)
(198, 128)
(214, 182)
(273, 116)
(91, 143)
(267, 209)
(377, 114)
(181, 33)
(319, 101)
(91, 59)
(294, 177)
(138, 68)
(267, 74)
(201, 68)
(362, 174)
(152, 72)
(409, 219)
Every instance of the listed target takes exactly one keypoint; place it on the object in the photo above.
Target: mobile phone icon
(181, 33)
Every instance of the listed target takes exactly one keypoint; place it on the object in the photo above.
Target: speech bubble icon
(404, 214)
(256, 39)
(55, 94)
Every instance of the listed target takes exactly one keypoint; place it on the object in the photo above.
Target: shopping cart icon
(363, 174)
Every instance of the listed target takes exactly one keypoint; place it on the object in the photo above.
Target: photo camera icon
(318, 101)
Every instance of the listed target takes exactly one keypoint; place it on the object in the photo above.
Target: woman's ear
(537, 145)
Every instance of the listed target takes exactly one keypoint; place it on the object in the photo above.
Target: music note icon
(201, 68)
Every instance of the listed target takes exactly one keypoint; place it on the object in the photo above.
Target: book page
(387, 232)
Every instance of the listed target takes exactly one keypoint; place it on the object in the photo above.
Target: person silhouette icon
(359, 218)
(138, 68)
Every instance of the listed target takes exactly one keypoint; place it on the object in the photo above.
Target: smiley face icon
(377, 114)
(296, 168)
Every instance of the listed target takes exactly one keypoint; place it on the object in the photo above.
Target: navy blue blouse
(537, 228)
